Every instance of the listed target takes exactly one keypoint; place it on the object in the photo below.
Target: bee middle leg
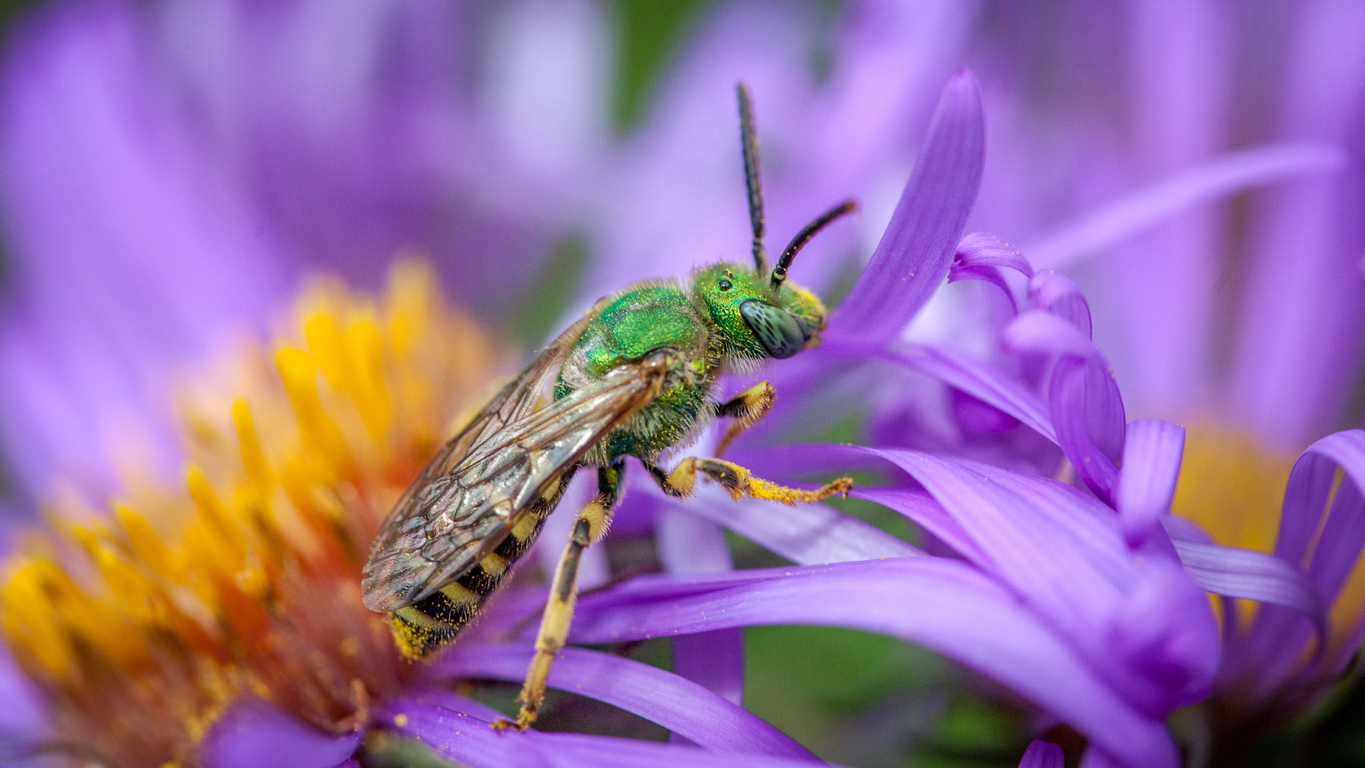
(590, 526)
(745, 409)
(740, 482)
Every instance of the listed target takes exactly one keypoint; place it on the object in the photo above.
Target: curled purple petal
(1215, 179)
(1057, 294)
(1278, 637)
(985, 274)
(982, 256)
(1151, 465)
(912, 258)
(677, 704)
(256, 735)
(982, 249)
(1087, 409)
(1047, 333)
(1042, 754)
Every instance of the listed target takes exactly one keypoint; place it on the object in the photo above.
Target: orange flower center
(143, 626)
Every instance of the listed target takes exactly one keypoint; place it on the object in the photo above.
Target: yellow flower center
(1232, 487)
(142, 627)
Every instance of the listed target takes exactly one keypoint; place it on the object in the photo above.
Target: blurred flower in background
(171, 174)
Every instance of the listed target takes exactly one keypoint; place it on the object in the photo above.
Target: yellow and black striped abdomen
(427, 625)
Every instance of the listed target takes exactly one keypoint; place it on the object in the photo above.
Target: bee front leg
(590, 526)
(740, 482)
(746, 409)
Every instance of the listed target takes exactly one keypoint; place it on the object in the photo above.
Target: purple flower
(1051, 564)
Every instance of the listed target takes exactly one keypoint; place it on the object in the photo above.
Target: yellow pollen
(1232, 487)
(144, 626)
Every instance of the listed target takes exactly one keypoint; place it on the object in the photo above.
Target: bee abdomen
(433, 622)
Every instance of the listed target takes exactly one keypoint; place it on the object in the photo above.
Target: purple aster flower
(1078, 592)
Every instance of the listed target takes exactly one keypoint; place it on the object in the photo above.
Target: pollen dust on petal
(143, 625)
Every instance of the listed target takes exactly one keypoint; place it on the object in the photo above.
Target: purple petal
(689, 544)
(1151, 465)
(1086, 407)
(1088, 413)
(1056, 512)
(460, 730)
(1057, 294)
(1343, 535)
(23, 713)
(926, 512)
(677, 704)
(714, 660)
(1143, 622)
(912, 258)
(1095, 757)
(942, 604)
(257, 735)
(1041, 754)
(979, 381)
(1222, 177)
(1252, 575)
(982, 249)
(982, 256)
(985, 274)
(1045, 333)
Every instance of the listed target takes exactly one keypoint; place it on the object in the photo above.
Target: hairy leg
(746, 409)
(554, 625)
(740, 482)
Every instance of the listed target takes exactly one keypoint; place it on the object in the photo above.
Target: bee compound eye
(776, 329)
(725, 284)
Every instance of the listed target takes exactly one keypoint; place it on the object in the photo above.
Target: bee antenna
(748, 139)
(789, 253)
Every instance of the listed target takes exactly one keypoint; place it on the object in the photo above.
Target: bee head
(762, 315)
(758, 319)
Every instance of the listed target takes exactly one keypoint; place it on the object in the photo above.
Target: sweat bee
(634, 377)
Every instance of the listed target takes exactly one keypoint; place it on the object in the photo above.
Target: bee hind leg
(745, 409)
(740, 482)
(590, 526)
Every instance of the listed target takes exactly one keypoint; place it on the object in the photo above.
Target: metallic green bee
(634, 377)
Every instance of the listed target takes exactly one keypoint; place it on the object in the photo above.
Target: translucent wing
(469, 497)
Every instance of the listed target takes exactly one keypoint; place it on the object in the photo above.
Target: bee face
(757, 321)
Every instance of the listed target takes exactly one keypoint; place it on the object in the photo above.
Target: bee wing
(448, 521)
(514, 401)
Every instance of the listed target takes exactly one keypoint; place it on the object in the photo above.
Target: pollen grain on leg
(143, 626)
